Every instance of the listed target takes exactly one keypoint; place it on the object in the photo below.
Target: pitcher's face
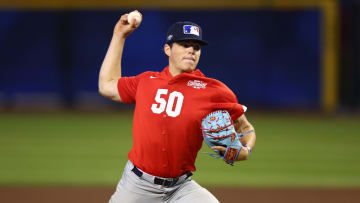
(183, 56)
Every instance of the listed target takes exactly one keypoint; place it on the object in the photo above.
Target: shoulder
(216, 83)
(135, 80)
(221, 89)
(147, 74)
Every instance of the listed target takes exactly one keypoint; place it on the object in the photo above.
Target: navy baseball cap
(181, 31)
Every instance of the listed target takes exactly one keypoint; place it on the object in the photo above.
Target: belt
(160, 181)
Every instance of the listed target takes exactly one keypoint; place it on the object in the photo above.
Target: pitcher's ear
(167, 49)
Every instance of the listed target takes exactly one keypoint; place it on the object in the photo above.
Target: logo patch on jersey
(191, 29)
(197, 84)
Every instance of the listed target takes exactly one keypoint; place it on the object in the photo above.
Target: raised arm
(110, 71)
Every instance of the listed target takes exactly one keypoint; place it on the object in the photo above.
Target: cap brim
(202, 42)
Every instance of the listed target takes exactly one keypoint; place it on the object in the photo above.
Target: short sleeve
(227, 100)
(127, 87)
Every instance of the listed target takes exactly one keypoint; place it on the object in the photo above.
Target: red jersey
(167, 119)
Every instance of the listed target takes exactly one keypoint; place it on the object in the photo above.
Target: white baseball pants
(134, 189)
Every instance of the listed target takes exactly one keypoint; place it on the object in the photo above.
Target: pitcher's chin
(189, 69)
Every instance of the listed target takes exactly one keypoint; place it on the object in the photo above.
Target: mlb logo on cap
(182, 31)
(191, 29)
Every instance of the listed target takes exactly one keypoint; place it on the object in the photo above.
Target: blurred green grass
(91, 149)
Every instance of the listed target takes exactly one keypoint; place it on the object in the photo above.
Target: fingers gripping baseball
(134, 18)
(128, 23)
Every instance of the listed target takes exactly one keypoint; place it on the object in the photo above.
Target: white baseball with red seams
(134, 15)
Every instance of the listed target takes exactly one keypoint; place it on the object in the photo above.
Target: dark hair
(170, 44)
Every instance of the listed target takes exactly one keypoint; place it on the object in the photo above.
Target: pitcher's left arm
(243, 126)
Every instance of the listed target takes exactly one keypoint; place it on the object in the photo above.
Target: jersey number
(160, 105)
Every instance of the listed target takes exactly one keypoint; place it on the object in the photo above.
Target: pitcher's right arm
(110, 71)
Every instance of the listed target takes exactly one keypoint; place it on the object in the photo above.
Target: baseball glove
(218, 130)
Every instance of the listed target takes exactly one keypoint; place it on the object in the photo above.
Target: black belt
(160, 181)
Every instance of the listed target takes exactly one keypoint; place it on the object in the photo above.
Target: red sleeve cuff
(122, 93)
(237, 111)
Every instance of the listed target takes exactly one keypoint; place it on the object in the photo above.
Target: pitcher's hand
(123, 28)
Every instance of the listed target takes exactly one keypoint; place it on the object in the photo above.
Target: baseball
(134, 15)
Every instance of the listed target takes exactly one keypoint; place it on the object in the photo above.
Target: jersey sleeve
(127, 87)
(227, 100)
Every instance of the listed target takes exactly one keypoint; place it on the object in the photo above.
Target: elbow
(109, 90)
(101, 89)
(102, 92)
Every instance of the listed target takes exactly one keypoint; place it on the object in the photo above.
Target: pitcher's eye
(184, 44)
(197, 47)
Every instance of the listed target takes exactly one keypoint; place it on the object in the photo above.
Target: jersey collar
(166, 74)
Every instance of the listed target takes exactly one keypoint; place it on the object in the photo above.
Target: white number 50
(159, 107)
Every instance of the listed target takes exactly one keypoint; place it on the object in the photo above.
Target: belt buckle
(159, 181)
(173, 182)
(163, 181)
(166, 182)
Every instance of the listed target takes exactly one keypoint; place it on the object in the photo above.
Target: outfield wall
(273, 55)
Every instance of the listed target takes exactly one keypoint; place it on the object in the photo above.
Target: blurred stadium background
(294, 63)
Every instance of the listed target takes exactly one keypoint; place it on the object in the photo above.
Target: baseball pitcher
(176, 109)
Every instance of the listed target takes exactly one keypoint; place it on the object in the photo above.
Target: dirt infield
(225, 195)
